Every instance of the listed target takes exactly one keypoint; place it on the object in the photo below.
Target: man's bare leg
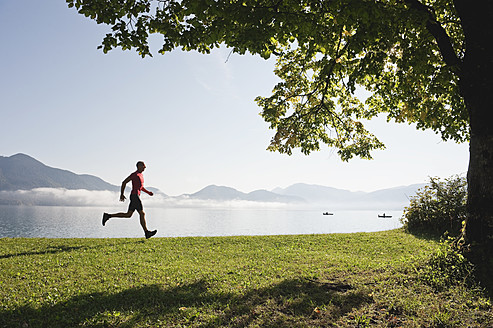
(143, 223)
(143, 220)
(122, 215)
(126, 215)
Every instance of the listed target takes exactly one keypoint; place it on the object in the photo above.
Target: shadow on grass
(55, 249)
(49, 250)
(425, 235)
(288, 304)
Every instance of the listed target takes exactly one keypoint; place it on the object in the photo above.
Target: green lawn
(335, 280)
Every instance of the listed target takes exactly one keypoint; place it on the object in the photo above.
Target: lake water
(85, 222)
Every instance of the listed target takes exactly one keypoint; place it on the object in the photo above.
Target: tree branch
(438, 32)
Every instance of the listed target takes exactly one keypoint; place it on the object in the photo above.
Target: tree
(427, 62)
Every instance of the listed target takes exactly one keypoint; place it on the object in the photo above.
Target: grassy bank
(339, 280)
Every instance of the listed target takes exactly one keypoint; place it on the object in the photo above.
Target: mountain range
(22, 172)
(221, 193)
(327, 195)
(309, 194)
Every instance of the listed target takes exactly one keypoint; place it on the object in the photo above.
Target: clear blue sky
(192, 118)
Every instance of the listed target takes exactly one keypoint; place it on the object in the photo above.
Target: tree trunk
(479, 228)
(477, 89)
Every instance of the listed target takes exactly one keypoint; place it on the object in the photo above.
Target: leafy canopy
(404, 52)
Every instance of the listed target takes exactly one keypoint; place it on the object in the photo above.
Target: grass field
(336, 280)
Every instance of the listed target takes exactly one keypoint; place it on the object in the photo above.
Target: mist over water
(225, 220)
(105, 198)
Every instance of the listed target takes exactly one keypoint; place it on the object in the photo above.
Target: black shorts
(135, 203)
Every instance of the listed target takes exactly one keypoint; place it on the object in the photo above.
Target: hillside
(396, 197)
(22, 172)
(317, 193)
(221, 193)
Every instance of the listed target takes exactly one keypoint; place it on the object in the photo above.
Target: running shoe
(149, 234)
(106, 217)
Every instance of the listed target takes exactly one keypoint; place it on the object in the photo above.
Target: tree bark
(477, 89)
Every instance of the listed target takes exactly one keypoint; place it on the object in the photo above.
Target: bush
(447, 267)
(438, 208)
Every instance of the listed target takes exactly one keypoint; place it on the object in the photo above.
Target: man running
(137, 179)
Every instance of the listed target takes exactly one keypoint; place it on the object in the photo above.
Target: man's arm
(122, 189)
(150, 193)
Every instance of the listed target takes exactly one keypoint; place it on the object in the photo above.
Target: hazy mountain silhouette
(268, 196)
(317, 193)
(217, 193)
(396, 197)
(222, 193)
(396, 194)
(22, 172)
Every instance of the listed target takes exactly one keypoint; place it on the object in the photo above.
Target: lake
(85, 222)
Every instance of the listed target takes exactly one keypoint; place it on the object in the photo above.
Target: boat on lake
(384, 216)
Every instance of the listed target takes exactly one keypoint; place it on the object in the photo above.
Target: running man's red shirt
(137, 182)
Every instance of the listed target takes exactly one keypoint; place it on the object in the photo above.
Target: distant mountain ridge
(22, 172)
(316, 194)
(222, 193)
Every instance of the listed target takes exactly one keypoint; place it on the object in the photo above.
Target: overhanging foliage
(405, 52)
